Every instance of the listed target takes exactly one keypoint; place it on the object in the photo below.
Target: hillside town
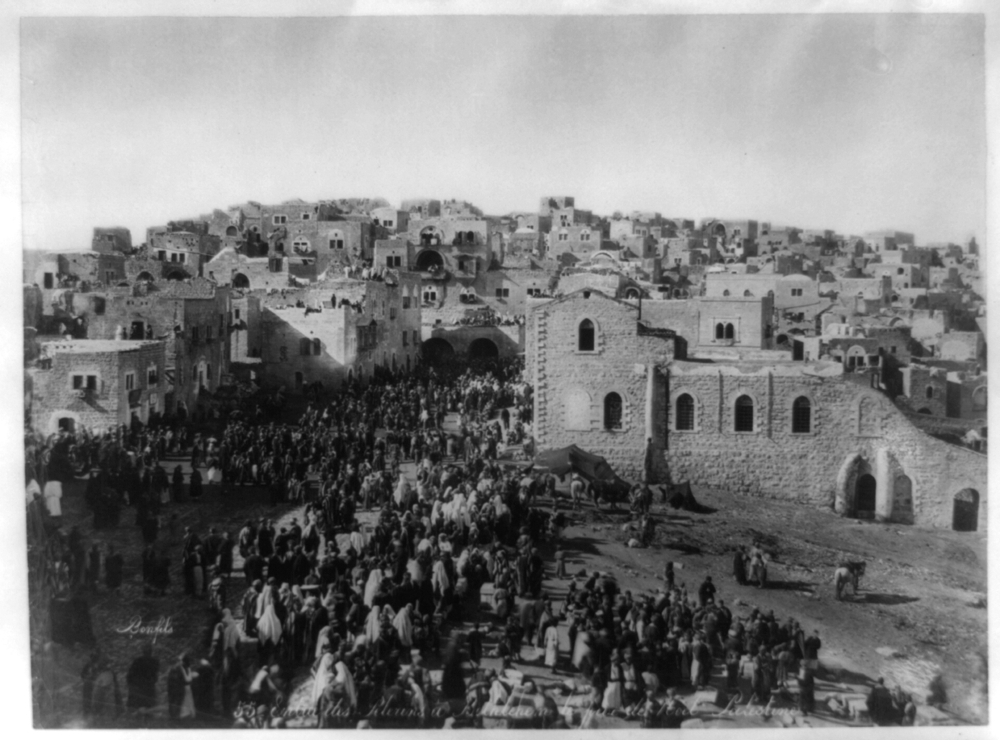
(344, 463)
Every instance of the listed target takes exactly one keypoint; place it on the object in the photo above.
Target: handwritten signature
(163, 626)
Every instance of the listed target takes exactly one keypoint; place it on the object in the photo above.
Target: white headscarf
(404, 625)
(268, 626)
(373, 625)
(324, 674)
(371, 587)
(345, 679)
(440, 579)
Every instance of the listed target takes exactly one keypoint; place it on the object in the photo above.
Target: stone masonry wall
(571, 386)
(854, 429)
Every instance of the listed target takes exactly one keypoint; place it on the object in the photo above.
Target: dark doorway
(483, 349)
(138, 330)
(241, 281)
(965, 516)
(67, 424)
(438, 350)
(864, 497)
(428, 259)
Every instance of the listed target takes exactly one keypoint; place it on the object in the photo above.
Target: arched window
(317, 346)
(612, 411)
(585, 339)
(725, 293)
(684, 410)
(304, 346)
(743, 416)
(930, 391)
(730, 332)
(746, 294)
(801, 415)
(720, 331)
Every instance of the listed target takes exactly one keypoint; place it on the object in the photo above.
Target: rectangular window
(49, 280)
(392, 312)
(276, 220)
(208, 333)
(503, 292)
(130, 381)
(305, 216)
(161, 255)
(416, 337)
(183, 258)
(406, 301)
(152, 377)
(195, 335)
(78, 381)
(892, 349)
(389, 224)
(796, 292)
(336, 244)
(406, 339)
(563, 237)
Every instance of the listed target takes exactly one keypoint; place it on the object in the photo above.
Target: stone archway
(241, 281)
(902, 500)
(854, 467)
(965, 511)
(865, 490)
(483, 349)
(428, 259)
(437, 350)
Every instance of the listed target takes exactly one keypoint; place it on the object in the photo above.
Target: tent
(573, 459)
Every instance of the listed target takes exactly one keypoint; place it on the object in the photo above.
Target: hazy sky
(823, 121)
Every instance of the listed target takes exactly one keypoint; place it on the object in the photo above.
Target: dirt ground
(920, 609)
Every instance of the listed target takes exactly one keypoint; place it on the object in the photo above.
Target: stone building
(190, 249)
(96, 384)
(397, 221)
(111, 239)
(752, 424)
(76, 270)
(573, 238)
(421, 208)
(190, 317)
(339, 329)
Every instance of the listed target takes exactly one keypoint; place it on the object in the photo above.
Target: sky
(846, 122)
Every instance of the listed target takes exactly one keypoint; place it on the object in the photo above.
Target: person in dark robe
(807, 691)
(226, 555)
(203, 689)
(141, 680)
(452, 682)
(178, 484)
(113, 567)
(195, 485)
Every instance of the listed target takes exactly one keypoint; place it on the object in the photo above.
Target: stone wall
(572, 386)
(854, 430)
(107, 405)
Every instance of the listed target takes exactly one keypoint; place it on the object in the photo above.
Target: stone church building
(750, 421)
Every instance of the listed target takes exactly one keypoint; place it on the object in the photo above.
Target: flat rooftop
(89, 346)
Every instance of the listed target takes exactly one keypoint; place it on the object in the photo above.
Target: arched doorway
(864, 497)
(483, 349)
(144, 277)
(429, 259)
(232, 231)
(965, 514)
(632, 294)
(176, 275)
(902, 500)
(241, 281)
(438, 350)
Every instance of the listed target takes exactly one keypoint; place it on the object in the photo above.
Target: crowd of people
(366, 609)
(489, 318)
